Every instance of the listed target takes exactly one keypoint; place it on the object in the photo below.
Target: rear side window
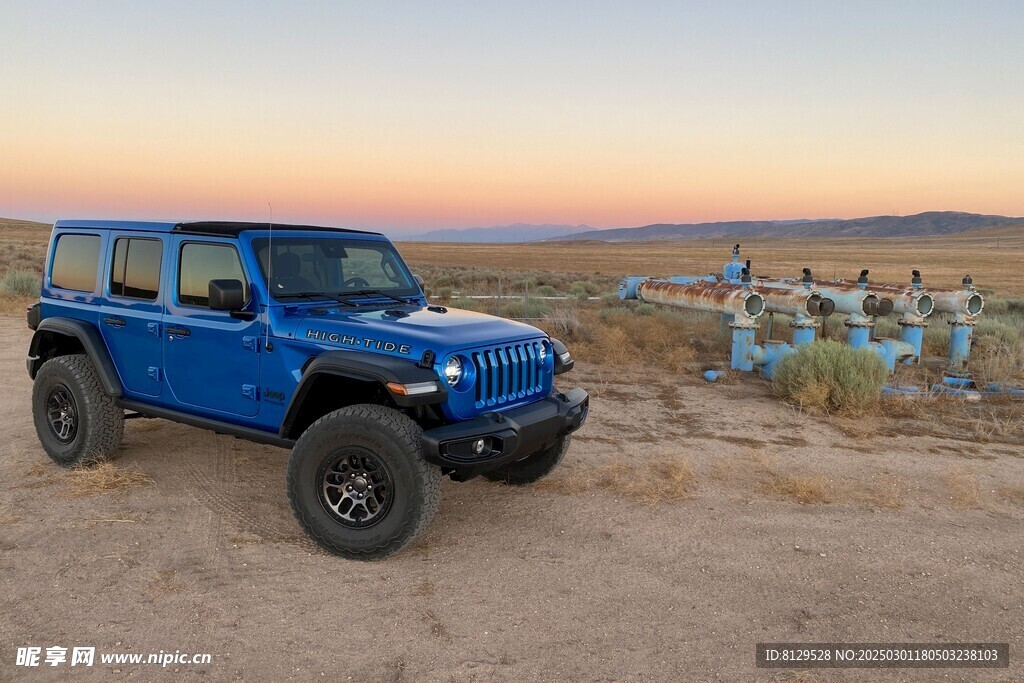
(76, 261)
(135, 272)
(201, 263)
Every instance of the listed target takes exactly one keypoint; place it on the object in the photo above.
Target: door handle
(115, 322)
(178, 331)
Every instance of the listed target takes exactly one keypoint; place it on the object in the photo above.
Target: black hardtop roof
(233, 228)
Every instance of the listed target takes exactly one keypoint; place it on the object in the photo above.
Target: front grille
(506, 374)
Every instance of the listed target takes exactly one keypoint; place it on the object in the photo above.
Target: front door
(211, 358)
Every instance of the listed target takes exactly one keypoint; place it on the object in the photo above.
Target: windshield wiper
(376, 292)
(315, 295)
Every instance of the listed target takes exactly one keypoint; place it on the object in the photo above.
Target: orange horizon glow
(359, 136)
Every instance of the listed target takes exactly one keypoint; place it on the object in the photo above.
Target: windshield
(332, 266)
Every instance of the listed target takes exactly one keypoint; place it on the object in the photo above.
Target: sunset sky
(407, 116)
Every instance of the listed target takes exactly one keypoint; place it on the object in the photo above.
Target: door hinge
(251, 343)
(154, 374)
(250, 392)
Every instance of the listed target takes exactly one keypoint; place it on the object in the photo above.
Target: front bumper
(511, 435)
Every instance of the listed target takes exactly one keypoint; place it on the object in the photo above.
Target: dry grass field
(992, 257)
(688, 522)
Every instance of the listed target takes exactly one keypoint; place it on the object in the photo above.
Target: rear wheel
(533, 467)
(358, 483)
(76, 420)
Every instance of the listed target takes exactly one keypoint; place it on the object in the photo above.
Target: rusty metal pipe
(906, 299)
(716, 297)
(797, 302)
(962, 301)
(847, 300)
(965, 301)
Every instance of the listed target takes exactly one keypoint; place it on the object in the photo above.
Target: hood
(403, 329)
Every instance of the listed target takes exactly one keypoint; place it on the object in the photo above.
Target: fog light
(472, 449)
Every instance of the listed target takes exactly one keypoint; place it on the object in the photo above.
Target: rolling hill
(517, 232)
(928, 224)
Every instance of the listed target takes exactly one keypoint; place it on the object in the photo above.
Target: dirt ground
(608, 572)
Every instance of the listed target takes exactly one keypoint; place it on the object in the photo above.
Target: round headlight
(543, 352)
(453, 370)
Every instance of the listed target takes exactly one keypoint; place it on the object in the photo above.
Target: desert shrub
(528, 308)
(1003, 306)
(444, 293)
(833, 327)
(21, 283)
(468, 304)
(936, 336)
(997, 360)
(997, 329)
(617, 336)
(591, 288)
(546, 290)
(564, 323)
(645, 309)
(831, 377)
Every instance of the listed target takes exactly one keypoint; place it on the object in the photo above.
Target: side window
(136, 268)
(76, 260)
(202, 262)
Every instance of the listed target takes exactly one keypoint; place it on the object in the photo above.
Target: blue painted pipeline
(802, 334)
(912, 335)
(743, 347)
(746, 355)
(679, 280)
(960, 334)
(859, 336)
(628, 285)
(733, 270)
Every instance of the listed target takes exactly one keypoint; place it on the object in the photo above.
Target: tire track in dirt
(244, 487)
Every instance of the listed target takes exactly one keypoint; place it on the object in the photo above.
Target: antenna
(270, 275)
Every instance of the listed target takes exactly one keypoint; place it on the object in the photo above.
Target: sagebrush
(831, 377)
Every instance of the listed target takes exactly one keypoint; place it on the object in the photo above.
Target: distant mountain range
(517, 232)
(930, 223)
(918, 225)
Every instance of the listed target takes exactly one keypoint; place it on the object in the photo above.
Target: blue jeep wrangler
(315, 339)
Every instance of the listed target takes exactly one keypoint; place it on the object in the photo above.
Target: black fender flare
(365, 367)
(91, 341)
(561, 352)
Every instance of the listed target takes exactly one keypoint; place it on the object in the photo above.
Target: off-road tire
(533, 467)
(100, 423)
(394, 439)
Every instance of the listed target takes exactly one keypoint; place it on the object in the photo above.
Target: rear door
(132, 310)
(211, 358)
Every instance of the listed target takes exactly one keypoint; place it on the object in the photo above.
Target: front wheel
(532, 467)
(358, 483)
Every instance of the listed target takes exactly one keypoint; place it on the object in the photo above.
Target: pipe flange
(809, 324)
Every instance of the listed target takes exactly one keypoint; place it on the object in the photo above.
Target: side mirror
(227, 295)
(419, 280)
